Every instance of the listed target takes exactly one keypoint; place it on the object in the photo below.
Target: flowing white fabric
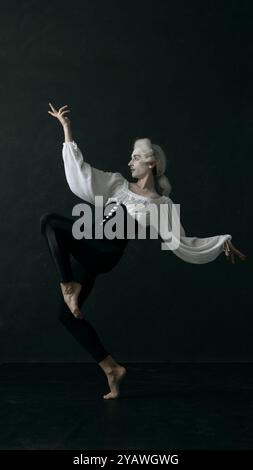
(87, 182)
(192, 249)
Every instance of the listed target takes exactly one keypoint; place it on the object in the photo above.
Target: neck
(146, 183)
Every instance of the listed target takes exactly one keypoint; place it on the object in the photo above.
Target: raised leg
(57, 230)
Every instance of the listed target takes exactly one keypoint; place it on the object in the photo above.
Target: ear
(152, 164)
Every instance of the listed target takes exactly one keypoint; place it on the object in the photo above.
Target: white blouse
(87, 182)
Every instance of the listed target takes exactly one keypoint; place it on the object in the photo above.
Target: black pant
(95, 256)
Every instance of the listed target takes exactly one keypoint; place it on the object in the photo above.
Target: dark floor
(162, 406)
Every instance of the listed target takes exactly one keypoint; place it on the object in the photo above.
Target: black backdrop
(178, 72)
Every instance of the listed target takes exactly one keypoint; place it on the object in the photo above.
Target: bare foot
(71, 291)
(114, 378)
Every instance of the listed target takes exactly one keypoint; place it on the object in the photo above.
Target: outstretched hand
(60, 114)
(231, 251)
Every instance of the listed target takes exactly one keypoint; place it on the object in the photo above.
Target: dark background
(178, 72)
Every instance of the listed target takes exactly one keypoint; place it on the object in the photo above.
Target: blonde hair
(150, 152)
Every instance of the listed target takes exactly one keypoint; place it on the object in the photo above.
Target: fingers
(55, 110)
(65, 106)
(231, 252)
(63, 112)
(240, 255)
(226, 249)
(59, 114)
(51, 106)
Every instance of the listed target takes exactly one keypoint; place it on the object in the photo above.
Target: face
(138, 166)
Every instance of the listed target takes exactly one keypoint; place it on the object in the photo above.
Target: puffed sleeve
(190, 249)
(85, 181)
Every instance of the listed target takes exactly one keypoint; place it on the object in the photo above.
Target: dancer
(147, 165)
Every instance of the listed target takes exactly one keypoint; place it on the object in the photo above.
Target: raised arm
(84, 180)
(63, 119)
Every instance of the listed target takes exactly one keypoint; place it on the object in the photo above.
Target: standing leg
(86, 335)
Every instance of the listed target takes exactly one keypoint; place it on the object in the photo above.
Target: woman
(147, 165)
